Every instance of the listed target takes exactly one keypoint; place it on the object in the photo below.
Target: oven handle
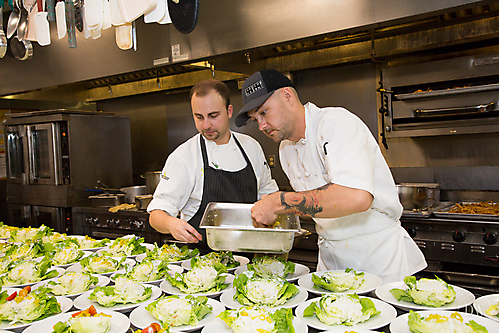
(31, 154)
(461, 110)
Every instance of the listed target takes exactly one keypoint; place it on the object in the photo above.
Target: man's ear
(230, 110)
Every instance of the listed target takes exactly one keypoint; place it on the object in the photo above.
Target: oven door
(16, 147)
(44, 155)
(52, 217)
(19, 215)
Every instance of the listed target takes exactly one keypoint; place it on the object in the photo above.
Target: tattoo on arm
(304, 203)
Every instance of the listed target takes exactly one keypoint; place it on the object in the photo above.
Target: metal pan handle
(464, 110)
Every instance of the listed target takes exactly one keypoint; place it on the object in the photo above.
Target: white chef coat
(339, 148)
(180, 188)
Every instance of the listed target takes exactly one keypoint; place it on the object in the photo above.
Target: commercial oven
(444, 97)
(55, 156)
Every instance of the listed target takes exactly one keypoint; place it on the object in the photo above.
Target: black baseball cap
(257, 89)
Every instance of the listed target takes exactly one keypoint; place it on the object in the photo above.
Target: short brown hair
(202, 88)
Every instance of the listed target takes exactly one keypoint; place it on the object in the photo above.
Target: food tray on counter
(426, 212)
(445, 213)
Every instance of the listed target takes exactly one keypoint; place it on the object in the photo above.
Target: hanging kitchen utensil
(93, 13)
(60, 18)
(3, 39)
(132, 9)
(70, 23)
(13, 19)
(51, 10)
(184, 14)
(79, 15)
(157, 13)
(166, 18)
(22, 27)
(21, 49)
(31, 31)
(124, 38)
(106, 15)
(42, 26)
(116, 18)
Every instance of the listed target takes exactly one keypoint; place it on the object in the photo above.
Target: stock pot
(418, 196)
(152, 180)
(133, 191)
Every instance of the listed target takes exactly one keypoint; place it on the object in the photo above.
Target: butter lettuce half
(342, 309)
(436, 323)
(339, 281)
(429, 292)
(253, 290)
(246, 319)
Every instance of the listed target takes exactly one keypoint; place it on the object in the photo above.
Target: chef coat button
(307, 174)
(298, 176)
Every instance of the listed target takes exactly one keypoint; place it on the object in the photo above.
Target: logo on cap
(255, 87)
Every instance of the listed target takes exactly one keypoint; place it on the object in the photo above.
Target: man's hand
(265, 211)
(179, 229)
(183, 231)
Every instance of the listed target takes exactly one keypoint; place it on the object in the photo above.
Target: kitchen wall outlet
(272, 161)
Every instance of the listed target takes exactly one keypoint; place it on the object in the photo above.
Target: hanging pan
(184, 14)
(21, 49)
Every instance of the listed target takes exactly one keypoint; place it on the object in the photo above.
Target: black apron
(223, 186)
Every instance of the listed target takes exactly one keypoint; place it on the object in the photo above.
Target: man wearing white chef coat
(216, 165)
(341, 180)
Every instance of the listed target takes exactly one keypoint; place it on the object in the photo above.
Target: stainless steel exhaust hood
(224, 28)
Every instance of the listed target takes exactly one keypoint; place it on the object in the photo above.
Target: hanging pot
(184, 14)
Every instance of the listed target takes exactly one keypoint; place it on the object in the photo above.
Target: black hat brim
(242, 116)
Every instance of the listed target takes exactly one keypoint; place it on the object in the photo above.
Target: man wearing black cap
(340, 176)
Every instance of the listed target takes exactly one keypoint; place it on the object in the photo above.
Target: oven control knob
(89, 220)
(490, 238)
(411, 232)
(459, 236)
(138, 224)
(110, 221)
(116, 222)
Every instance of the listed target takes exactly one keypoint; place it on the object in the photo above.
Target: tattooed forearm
(301, 203)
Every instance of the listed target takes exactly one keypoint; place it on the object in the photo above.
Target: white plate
(463, 298)
(119, 323)
(388, 313)
(141, 318)
(147, 245)
(228, 300)
(371, 282)
(172, 269)
(103, 281)
(219, 326)
(85, 254)
(300, 270)
(82, 302)
(481, 305)
(399, 325)
(77, 267)
(64, 302)
(242, 260)
(167, 287)
(58, 269)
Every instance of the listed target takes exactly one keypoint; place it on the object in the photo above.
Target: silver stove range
(98, 222)
(461, 251)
